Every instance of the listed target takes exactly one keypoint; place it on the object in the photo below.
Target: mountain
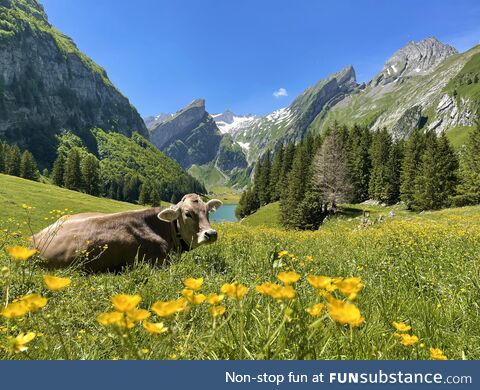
(153, 121)
(191, 137)
(47, 84)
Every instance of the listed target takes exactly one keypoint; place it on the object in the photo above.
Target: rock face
(190, 136)
(47, 84)
(414, 59)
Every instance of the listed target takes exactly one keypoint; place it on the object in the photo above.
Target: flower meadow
(408, 288)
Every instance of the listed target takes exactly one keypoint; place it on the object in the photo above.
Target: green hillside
(43, 198)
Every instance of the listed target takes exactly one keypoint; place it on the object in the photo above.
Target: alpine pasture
(395, 286)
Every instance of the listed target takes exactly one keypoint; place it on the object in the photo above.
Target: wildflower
(193, 284)
(309, 258)
(18, 343)
(437, 354)
(282, 253)
(168, 308)
(213, 299)
(55, 283)
(321, 282)
(20, 253)
(345, 312)
(276, 291)
(406, 339)
(34, 301)
(155, 328)
(288, 277)
(349, 287)
(234, 290)
(15, 309)
(110, 318)
(401, 326)
(216, 311)
(315, 310)
(124, 302)
(192, 298)
(137, 315)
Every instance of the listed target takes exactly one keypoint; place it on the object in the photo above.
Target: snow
(418, 70)
(279, 115)
(394, 68)
(244, 145)
(238, 123)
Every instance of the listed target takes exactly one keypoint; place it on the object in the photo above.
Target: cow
(109, 242)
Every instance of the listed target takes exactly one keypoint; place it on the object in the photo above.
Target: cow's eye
(188, 215)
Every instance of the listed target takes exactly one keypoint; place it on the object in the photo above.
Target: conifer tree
(288, 155)
(2, 157)
(13, 160)
(144, 196)
(379, 155)
(447, 170)
(469, 188)
(28, 166)
(73, 174)
(90, 174)
(247, 204)
(262, 179)
(58, 171)
(359, 163)
(154, 197)
(275, 173)
(414, 149)
(393, 171)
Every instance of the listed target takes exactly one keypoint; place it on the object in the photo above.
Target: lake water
(226, 213)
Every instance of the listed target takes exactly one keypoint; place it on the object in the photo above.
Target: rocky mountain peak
(416, 58)
(227, 117)
(345, 76)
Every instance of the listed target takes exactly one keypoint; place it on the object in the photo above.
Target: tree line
(14, 162)
(353, 165)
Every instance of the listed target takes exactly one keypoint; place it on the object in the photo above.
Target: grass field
(420, 269)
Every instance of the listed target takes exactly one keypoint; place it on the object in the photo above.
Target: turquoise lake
(226, 213)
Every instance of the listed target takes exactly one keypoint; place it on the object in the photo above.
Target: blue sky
(252, 56)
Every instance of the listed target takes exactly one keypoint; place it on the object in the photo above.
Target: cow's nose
(210, 235)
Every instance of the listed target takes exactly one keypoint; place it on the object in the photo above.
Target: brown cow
(111, 241)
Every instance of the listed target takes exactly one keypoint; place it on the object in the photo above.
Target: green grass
(265, 216)
(423, 269)
(458, 136)
(207, 174)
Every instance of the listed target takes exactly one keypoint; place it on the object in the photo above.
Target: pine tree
(288, 155)
(248, 203)
(28, 166)
(393, 171)
(447, 170)
(13, 160)
(359, 164)
(73, 174)
(414, 149)
(379, 154)
(2, 157)
(426, 196)
(275, 173)
(154, 198)
(58, 171)
(131, 188)
(469, 187)
(90, 174)
(144, 196)
(262, 179)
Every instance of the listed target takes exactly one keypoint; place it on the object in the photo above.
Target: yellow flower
(309, 258)
(124, 302)
(155, 328)
(192, 298)
(19, 342)
(276, 291)
(15, 309)
(322, 282)
(350, 286)
(34, 301)
(288, 277)
(55, 283)
(282, 253)
(193, 284)
(401, 326)
(345, 312)
(20, 253)
(406, 339)
(315, 310)
(234, 290)
(213, 299)
(216, 311)
(138, 314)
(110, 318)
(437, 354)
(166, 309)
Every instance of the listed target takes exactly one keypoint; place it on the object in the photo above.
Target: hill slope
(47, 84)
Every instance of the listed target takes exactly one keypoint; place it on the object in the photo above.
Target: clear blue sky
(236, 54)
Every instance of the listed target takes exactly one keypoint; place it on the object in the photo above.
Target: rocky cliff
(47, 84)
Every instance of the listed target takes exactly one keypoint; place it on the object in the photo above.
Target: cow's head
(192, 216)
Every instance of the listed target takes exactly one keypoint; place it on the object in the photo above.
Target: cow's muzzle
(209, 236)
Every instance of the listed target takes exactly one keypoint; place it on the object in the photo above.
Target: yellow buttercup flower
(216, 311)
(315, 310)
(234, 290)
(20, 253)
(321, 282)
(191, 297)
(193, 284)
(288, 277)
(138, 314)
(19, 343)
(15, 309)
(124, 302)
(166, 309)
(401, 326)
(437, 354)
(276, 291)
(56, 283)
(282, 253)
(349, 286)
(406, 339)
(214, 299)
(110, 318)
(345, 312)
(155, 328)
(34, 301)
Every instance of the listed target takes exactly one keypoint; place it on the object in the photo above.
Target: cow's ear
(214, 205)
(169, 215)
